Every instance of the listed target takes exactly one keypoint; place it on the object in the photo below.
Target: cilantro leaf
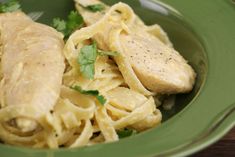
(9, 6)
(87, 92)
(126, 133)
(59, 24)
(101, 99)
(95, 7)
(74, 21)
(107, 53)
(86, 60)
(88, 70)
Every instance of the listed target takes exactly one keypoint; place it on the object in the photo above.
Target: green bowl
(203, 31)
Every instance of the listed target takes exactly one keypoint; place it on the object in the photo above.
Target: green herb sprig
(9, 6)
(126, 133)
(74, 21)
(107, 53)
(101, 99)
(87, 58)
(95, 7)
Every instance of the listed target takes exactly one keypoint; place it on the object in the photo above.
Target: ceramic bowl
(204, 33)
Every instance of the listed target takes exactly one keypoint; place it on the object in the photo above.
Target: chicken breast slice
(32, 66)
(159, 67)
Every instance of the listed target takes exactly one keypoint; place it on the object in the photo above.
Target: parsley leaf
(101, 99)
(73, 22)
(95, 7)
(126, 132)
(9, 6)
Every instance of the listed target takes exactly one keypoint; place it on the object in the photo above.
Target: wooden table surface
(224, 148)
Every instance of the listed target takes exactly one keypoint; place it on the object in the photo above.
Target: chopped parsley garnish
(95, 7)
(101, 99)
(126, 132)
(87, 58)
(9, 6)
(73, 22)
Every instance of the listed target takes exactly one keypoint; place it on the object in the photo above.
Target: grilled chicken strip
(159, 67)
(32, 66)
